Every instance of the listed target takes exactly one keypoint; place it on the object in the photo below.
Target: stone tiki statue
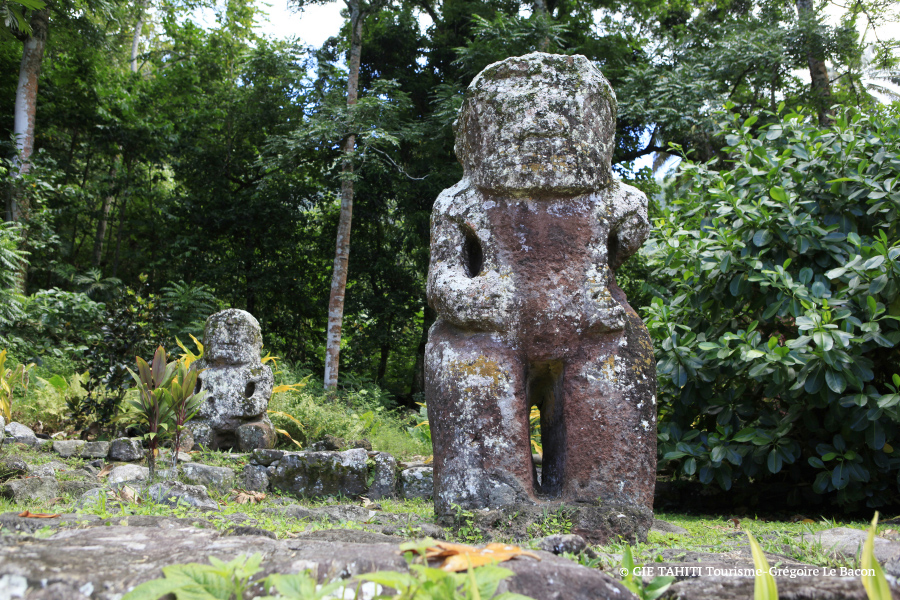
(237, 383)
(523, 257)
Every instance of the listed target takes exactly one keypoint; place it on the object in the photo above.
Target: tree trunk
(418, 380)
(104, 216)
(818, 71)
(539, 8)
(136, 39)
(342, 250)
(26, 105)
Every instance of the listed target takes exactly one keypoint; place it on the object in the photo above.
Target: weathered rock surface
(29, 490)
(48, 469)
(663, 527)
(68, 448)
(220, 479)
(109, 561)
(126, 450)
(175, 494)
(95, 450)
(309, 474)
(524, 251)
(603, 524)
(849, 542)
(559, 543)
(16, 433)
(128, 474)
(384, 485)
(254, 477)
(417, 482)
(237, 385)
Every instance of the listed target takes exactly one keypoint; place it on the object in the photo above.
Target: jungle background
(183, 164)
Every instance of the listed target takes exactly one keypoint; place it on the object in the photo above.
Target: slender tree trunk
(136, 38)
(342, 250)
(26, 105)
(104, 216)
(539, 7)
(418, 379)
(818, 70)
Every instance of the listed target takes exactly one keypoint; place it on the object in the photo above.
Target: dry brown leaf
(245, 497)
(460, 557)
(105, 471)
(30, 515)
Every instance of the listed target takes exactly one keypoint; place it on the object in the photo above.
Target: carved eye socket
(198, 386)
(473, 255)
(612, 251)
(250, 389)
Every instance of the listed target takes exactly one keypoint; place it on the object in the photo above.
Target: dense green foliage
(778, 335)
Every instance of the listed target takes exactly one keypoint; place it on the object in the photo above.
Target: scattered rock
(68, 448)
(48, 469)
(220, 479)
(384, 484)
(364, 444)
(266, 456)
(127, 474)
(174, 493)
(126, 450)
(355, 536)
(316, 474)
(663, 527)
(596, 524)
(417, 482)
(12, 466)
(16, 433)
(254, 478)
(849, 542)
(77, 487)
(562, 542)
(340, 513)
(95, 450)
(328, 443)
(30, 490)
(115, 559)
(11, 521)
(247, 530)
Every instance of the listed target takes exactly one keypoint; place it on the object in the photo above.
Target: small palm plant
(185, 400)
(167, 396)
(153, 407)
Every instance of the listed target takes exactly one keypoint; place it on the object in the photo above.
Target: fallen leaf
(30, 515)
(105, 471)
(245, 497)
(460, 557)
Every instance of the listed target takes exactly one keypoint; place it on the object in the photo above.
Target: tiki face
(538, 127)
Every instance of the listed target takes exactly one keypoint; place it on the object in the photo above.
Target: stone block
(95, 450)
(33, 489)
(220, 479)
(68, 448)
(384, 484)
(317, 474)
(417, 482)
(126, 450)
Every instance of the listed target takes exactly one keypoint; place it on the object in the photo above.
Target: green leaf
(154, 590)
(764, 587)
(876, 584)
(779, 194)
(835, 381)
(762, 237)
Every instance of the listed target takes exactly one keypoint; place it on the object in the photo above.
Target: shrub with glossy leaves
(778, 340)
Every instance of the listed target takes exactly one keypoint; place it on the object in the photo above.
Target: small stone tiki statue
(524, 252)
(238, 385)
